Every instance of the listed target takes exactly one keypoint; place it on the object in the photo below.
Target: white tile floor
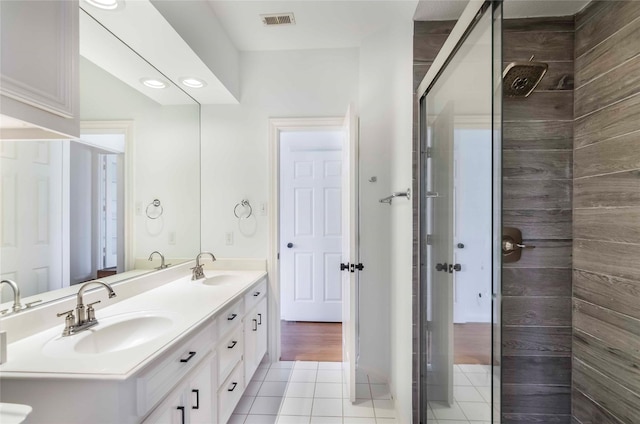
(472, 398)
(311, 393)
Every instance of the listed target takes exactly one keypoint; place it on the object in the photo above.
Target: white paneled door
(310, 225)
(31, 215)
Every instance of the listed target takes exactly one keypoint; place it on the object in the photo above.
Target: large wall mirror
(97, 207)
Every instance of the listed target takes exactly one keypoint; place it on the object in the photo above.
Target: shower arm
(388, 199)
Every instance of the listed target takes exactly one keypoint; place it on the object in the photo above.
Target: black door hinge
(344, 267)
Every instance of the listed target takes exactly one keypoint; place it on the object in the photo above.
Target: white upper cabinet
(39, 67)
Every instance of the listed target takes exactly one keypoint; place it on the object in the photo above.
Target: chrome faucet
(162, 264)
(84, 319)
(16, 295)
(198, 272)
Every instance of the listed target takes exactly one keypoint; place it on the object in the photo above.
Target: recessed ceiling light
(106, 4)
(192, 82)
(154, 83)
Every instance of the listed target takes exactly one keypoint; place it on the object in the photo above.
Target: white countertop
(13, 413)
(188, 303)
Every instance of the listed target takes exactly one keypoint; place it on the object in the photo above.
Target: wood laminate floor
(472, 343)
(311, 341)
(322, 341)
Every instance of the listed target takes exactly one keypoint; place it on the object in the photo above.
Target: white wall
(167, 160)
(386, 63)
(235, 138)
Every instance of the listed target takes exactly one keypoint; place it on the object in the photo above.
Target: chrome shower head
(520, 78)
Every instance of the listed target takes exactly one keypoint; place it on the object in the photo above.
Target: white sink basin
(221, 279)
(112, 334)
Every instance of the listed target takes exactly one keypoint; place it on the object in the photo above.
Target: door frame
(125, 128)
(277, 126)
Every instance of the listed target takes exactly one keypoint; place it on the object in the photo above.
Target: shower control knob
(442, 267)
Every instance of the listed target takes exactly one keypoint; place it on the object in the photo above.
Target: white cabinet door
(171, 411)
(39, 58)
(250, 345)
(192, 402)
(200, 395)
(255, 331)
(261, 336)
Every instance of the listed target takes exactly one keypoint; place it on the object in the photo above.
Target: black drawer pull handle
(188, 358)
(256, 294)
(181, 408)
(233, 387)
(197, 392)
(255, 324)
(233, 344)
(260, 319)
(232, 317)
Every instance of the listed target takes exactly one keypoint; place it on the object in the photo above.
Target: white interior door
(310, 223)
(31, 212)
(350, 254)
(472, 225)
(109, 221)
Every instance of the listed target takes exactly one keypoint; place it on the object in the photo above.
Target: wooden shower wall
(537, 196)
(606, 276)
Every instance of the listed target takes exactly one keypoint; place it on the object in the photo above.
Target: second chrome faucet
(198, 271)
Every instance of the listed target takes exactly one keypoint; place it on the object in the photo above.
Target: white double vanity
(166, 350)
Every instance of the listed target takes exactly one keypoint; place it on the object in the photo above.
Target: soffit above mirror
(107, 52)
(143, 28)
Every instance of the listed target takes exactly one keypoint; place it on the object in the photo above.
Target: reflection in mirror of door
(46, 183)
(97, 227)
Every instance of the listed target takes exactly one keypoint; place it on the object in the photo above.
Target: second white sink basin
(112, 334)
(221, 279)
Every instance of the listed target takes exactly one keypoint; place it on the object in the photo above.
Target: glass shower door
(459, 198)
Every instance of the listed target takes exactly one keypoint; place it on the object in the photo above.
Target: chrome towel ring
(156, 204)
(245, 204)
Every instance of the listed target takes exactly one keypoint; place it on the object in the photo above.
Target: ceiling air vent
(278, 19)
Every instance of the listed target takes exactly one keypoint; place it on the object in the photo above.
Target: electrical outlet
(172, 237)
(228, 237)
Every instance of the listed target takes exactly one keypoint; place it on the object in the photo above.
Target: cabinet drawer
(255, 295)
(229, 318)
(230, 393)
(155, 382)
(229, 353)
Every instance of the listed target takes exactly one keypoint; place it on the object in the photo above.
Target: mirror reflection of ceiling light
(154, 83)
(192, 82)
(106, 4)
